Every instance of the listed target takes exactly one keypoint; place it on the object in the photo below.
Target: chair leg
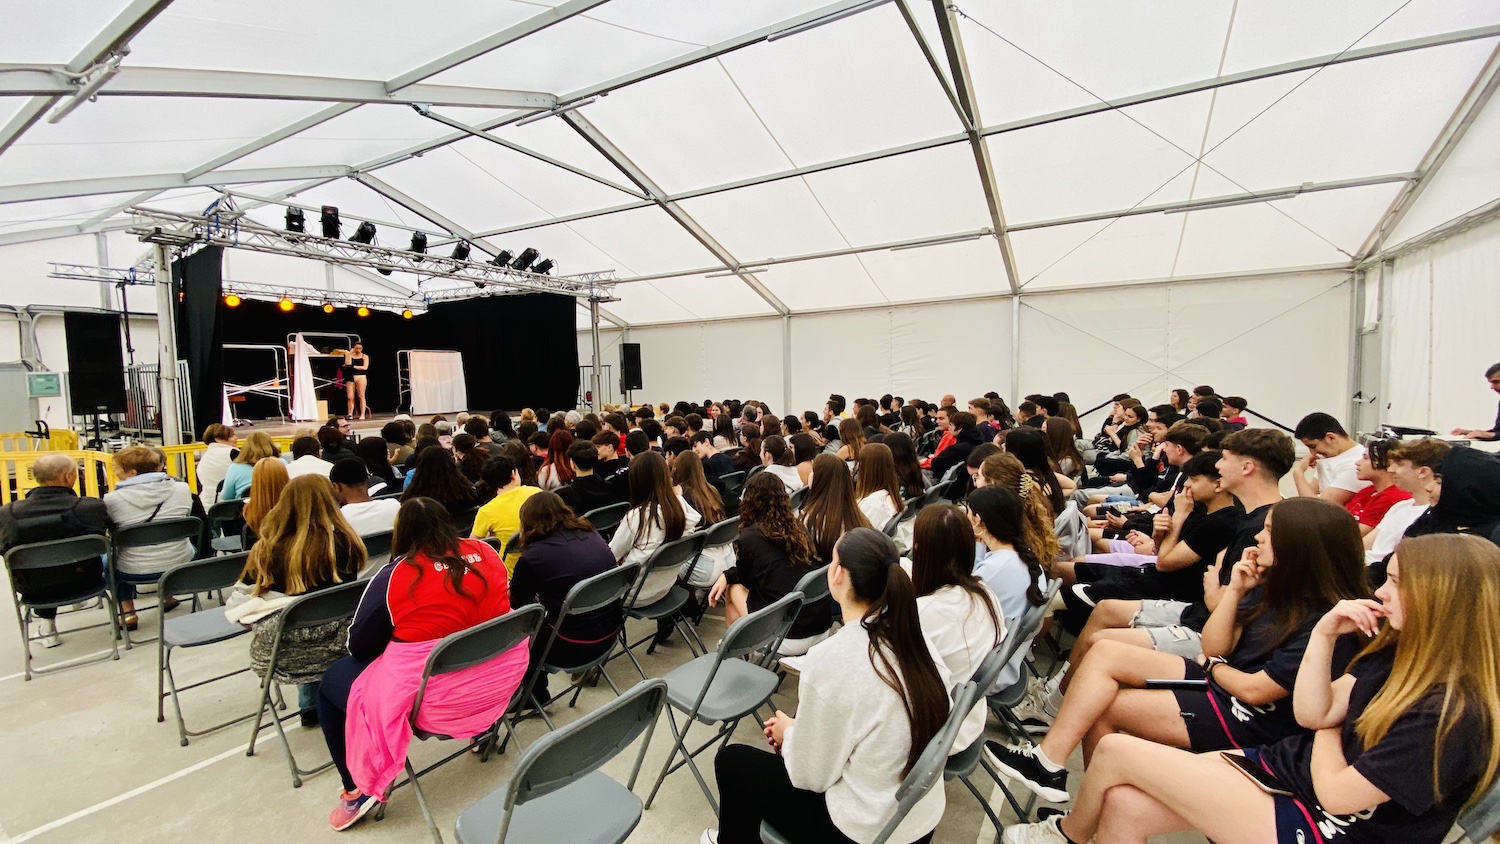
(677, 744)
(416, 786)
(625, 645)
(983, 804)
(265, 700)
(23, 618)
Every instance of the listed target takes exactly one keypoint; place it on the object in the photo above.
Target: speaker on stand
(630, 369)
(96, 369)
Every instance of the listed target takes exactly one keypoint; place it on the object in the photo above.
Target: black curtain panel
(198, 279)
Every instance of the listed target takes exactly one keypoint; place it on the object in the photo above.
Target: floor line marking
(59, 664)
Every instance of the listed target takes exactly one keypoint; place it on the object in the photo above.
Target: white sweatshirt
(627, 549)
(963, 634)
(851, 739)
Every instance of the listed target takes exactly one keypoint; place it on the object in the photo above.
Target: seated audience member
(772, 553)
(1370, 504)
(501, 517)
(812, 423)
(408, 468)
(1416, 468)
(1062, 451)
(334, 442)
(145, 492)
(674, 426)
(444, 433)
(537, 445)
(256, 445)
(397, 443)
(656, 515)
(1121, 435)
(830, 509)
(869, 422)
(267, 483)
(556, 472)
(877, 489)
(588, 491)
(214, 462)
(1037, 523)
(305, 545)
(470, 458)
(851, 439)
(436, 476)
(723, 437)
(980, 409)
(770, 426)
(871, 699)
(1332, 455)
(1407, 730)
(1307, 559)
(965, 438)
(1029, 445)
(437, 584)
(1005, 563)
(778, 460)
(910, 422)
(715, 463)
(611, 465)
(351, 488)
(1464, 500)
(748, 457)
(908, 464)
(694, 424)
(960, 615)
(946, 436)
(1209, 409)
(501, 427)
(306, 459)
(526, 463)
(375, 453)
(1027, 415)
(1234, 413)
(559, 549)
(689, 482)
(805, 448)
(478, 427)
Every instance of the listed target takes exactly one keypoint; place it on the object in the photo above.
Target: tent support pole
(1015, 348)
(596, 382)
(1356, 349)
(786, 363)
(166, 354)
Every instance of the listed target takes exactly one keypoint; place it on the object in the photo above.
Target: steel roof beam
(162, 181)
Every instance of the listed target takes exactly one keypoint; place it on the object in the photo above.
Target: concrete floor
(86, 761)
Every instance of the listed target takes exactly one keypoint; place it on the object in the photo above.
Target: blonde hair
(528, 415)
(300, 538)
(267, 481)
(139, 459)
(1450, 598)
(1005, 469)
(257, 445)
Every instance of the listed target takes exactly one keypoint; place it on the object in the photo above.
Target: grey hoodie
(152, 496)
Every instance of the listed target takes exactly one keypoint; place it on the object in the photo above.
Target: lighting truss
(145, 275)
(107, 275)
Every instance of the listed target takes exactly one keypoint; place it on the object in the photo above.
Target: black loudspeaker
(630, 366)
(96, 362)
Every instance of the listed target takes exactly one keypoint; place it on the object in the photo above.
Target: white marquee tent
(1289, 199)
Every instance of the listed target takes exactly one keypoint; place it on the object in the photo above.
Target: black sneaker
(1023, 766)
(309, 717)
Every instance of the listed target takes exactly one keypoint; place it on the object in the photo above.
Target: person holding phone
(1393, 749)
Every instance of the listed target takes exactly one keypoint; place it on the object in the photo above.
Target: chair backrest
(755, 470)
(582, 747)
(734, 482)
(511, 544)
(935, 492)
(601, 590)
(388, 495)
(225, 511)
(203, 575)
(477, 645)
(928, 771)
(764, 628)
(56, 553)
(606, 519)
(464, 522)
(378, 545)
(669, 555)
(158, 532)
(798, 497)
(721, 533)
(1483, 820)
(332, 604)
(814, 586)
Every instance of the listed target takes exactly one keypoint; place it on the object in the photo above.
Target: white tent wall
(1438, 307)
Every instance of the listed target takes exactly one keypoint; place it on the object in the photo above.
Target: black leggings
(333, 711)
(754, 787)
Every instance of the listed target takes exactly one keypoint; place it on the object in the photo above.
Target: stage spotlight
(363, 311)
(523, 261)
(327, 307)
(461, 251)
(296, 221)
(364, 234)
(418, 244)
(330, 220)
(407, 314)
(503, 259)
(385, 270)
(286, 304)
(544, 267)
(232, 300)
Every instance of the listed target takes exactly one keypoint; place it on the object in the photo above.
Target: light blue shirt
(1005, 573)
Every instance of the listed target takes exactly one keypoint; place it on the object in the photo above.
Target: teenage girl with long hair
(804, 449)
(851, 440)
(830, 509)
(690, 482)
(556, 472)
(656, 515)
(779, 459)
(877, 489)
(1005, 470)
(1062, 450)
(268, 480)
(908, 465)
(1005, 560)
(1029, 445)
(871, 698)
(436, 476)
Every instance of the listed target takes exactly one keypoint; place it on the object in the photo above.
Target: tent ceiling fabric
(811, 152)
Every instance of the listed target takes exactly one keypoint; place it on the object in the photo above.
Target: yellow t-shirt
(501, 517)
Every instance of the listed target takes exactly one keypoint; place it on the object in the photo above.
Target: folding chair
(224, 534)
(935, 493)
(196, 629)
(557, 792)
(1482, 820)
(720, 687)
(1003, 702)
(927, 773)
(668, 556)
(512, 544)
(715, 535)
(962, 763)
(144, 535)
(377, 550)
(796, 498)
(464, 522)
(37, 557)
(326, 605)
(734, 482)
(607, 518)
(754, 470)
(908, 512)
(586, 596)
(465, 649)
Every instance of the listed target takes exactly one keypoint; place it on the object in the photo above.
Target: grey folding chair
(54, 555)
(936, 492)
(557, 792)
(669, 557)
(315, 608)
(464, 522)
(607, 518)
(1482, 820)
(465, 649)
(715, 535)
(754, 470)
(377, 550)
(196, 629)
(908, 512)
(797, 498)
(512, 544)
(146, 534)
(734, 482)
(1003, 703)
(720, 687)
(224, 526)
(927, 773)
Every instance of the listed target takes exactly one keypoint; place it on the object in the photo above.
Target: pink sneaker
(351, 808)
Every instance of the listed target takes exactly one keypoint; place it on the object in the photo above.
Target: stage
(360, 427)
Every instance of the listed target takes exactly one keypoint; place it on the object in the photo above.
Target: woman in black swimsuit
(356, 369)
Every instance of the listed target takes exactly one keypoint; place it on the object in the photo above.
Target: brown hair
(775, 446)
(852, 434)
(300, 539)
(268, 481)
(1426, 452)
(215, 432)
(1187, 435)
(424, 527)
(544, 514)
(651, 493)
(1004, 469)
(139, 459)
(1271, 449)
(767, 507)
(829, 509)
(942, 554)
(877, 472)
(1061, 445)
(687, 472)
(256, 445)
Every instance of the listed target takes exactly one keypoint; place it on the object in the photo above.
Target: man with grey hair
(53, 511)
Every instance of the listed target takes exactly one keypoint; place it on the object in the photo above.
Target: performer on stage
(356, 375)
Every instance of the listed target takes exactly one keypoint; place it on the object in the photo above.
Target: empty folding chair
(377, 551)
(927, 773)
(37, 558)
(145, 534)
(722, 688)
(196, 629)
(557, 792)
(224, 523)
(664, 564)
(311, 610)
(466, 649)
(606, 519)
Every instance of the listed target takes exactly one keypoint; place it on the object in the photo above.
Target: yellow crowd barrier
(62, 439)
(96, 475)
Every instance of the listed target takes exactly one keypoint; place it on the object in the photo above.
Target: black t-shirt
(765, 568)
(613, 470)
(1251, 524)
(590, 492)
(1400, 765)
(1206, 534)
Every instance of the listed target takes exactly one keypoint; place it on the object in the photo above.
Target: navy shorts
(1211, 723)
(1294, 821)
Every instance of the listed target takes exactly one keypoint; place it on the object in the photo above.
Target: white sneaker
(45, 631)
(1052, 694)
(1046, 832)
(709, 836)
(1034, 717)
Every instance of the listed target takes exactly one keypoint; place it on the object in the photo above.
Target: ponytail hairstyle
(999, 509)
(898, 652)
(424, 527)
(775, 446)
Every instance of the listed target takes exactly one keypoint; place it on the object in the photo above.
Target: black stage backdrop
(200, 325)
(518, 351)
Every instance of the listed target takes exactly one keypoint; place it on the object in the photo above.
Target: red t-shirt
(1370, 506)
(424, 606)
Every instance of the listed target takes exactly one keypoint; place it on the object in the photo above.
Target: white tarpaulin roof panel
(809, 136)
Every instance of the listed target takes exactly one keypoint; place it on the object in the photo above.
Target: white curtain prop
(437, 382)
(304, 394)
